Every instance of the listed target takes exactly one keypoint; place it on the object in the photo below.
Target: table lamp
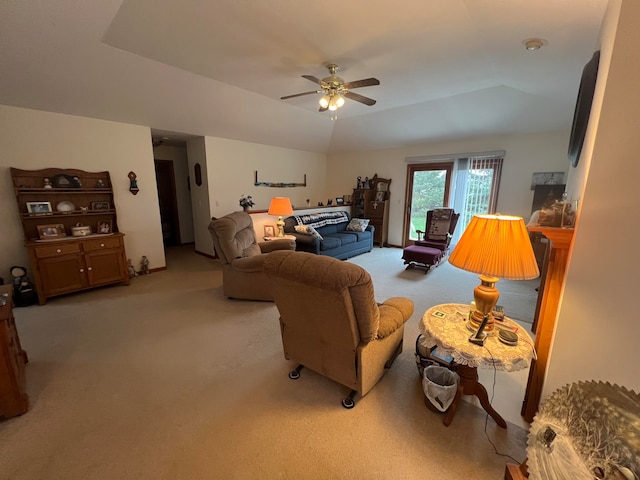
(494, 246)
(280, 206)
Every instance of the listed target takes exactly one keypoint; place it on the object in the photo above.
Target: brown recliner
(242, 256)
(330, 321)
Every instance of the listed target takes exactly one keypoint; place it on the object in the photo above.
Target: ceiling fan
(335, 90)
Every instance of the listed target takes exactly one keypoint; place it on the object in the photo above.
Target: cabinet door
(62, 274)
(105, 266)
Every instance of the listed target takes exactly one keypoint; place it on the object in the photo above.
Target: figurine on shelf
(330, 202)
(359, 184)
(144, 265)
(366, 183)
(47, 183)
(99, 183)
(77, 181)
(132, 271)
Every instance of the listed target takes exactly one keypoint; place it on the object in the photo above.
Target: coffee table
(448, 331)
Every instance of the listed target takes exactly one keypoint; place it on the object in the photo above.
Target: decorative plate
(65, 207)
(65, 181)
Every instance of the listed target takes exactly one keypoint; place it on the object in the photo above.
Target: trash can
(440, 385)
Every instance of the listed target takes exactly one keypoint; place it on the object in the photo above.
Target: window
(467, 184)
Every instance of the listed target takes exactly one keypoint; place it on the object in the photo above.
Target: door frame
(421, 167)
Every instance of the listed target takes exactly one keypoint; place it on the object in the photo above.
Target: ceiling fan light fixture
(339, 100)
(325, 101)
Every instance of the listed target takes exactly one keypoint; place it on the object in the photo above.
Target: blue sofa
(337, 241)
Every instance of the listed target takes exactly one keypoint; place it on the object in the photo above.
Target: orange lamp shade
(280, 206)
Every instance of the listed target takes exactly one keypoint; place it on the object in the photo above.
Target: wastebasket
(440, 385)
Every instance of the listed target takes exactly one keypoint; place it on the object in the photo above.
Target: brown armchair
(330, 321)
(242, 256)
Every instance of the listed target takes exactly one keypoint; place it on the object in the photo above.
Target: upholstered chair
(242, 256)
(330, 321)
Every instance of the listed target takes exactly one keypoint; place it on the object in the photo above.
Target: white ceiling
(448, 68)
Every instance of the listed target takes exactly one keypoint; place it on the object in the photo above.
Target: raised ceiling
(448, 69)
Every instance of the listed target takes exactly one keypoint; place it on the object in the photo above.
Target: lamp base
(280, 225)
(486, 296)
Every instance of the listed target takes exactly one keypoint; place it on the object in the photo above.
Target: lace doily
(451, 335)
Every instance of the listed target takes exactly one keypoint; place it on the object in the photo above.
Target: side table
(268, 239)
(449, 333)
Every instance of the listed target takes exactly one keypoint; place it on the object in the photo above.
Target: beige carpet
(166, 379)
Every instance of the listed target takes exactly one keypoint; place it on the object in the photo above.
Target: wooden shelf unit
(69, 264)
(366, 203)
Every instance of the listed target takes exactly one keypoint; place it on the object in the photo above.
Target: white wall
(178, 155)
(598, 326)
(33, 140)
(230, 173)
(525, 154)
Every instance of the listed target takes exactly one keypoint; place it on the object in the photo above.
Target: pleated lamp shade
(495, 247)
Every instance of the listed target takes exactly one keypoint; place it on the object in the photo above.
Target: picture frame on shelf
(104, 227)
(380, 195)
(100, 206)
(269, 231)
(50, 231)
(339, 201)
(39, 208)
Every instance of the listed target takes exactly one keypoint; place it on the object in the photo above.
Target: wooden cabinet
(373, 203)
(13, 398)
(378, 215)
(52, 203)
(359, 200)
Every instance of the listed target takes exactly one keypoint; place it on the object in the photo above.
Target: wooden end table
(449, 333)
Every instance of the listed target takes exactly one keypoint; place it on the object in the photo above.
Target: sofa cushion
(346, 238)
(330, 242)
(358, 224)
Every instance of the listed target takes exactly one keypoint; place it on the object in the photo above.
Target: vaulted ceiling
(448, 69)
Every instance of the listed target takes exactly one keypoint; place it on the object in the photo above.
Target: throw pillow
(358, 224)
(306, 230)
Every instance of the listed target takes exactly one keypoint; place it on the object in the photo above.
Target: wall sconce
(133, 183)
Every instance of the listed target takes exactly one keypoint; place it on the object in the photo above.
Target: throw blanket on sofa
(316, 220)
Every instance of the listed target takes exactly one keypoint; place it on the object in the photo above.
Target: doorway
(428, 187)
(167, 199)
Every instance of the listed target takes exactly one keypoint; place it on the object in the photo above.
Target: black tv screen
(583, 107)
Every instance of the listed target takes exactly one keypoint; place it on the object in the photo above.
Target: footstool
(422, 256)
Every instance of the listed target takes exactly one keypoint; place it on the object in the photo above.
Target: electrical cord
(486, 418)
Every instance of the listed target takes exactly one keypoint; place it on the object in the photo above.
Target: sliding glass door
(469, 185)
(428, 187)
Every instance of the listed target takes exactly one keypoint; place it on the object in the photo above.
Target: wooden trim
(560, 246)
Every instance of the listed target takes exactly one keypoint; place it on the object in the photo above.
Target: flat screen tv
(583, 107)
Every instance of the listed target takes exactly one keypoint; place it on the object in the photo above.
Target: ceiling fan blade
(313, 79)
(366, 82)
(300, 94)
(360, 98)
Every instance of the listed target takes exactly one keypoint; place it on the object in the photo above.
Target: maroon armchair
(433, 247)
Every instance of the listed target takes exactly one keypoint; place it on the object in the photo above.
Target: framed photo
(100, 206)
(269, 231)
(103, 227)
(55, 230)
(339, 201)
(380, 196)
(39, 208)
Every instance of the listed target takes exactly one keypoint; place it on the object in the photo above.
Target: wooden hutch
(373, 203)
(70, 229)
